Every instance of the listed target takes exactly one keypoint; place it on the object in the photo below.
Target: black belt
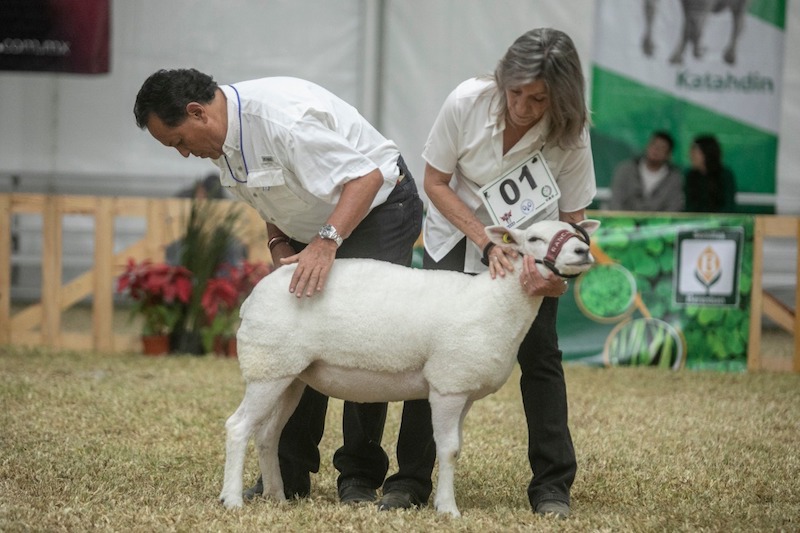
(401, 165)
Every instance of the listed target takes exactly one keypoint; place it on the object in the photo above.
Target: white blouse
(466, 140)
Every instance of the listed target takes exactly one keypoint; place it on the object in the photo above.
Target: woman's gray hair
(548, 54)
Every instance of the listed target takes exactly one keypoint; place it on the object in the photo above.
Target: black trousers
(388, 233)
(544, 398)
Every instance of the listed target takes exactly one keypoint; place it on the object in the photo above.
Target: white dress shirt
(290, 148)
(466, 140)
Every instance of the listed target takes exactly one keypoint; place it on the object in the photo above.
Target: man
(650, 182)
(328, 185)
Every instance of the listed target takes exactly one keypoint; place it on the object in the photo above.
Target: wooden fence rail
(763, 303)
(40, 324)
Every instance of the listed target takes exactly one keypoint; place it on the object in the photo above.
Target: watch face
(329, 232)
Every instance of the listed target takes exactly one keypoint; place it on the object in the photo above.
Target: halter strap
(557, 243)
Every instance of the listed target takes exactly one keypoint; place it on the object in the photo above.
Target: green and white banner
(690, 67)
(672, 292)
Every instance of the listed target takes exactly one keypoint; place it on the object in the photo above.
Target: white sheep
(381, 332)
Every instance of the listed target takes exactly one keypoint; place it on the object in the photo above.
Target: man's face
(657, 152)
(194, 136)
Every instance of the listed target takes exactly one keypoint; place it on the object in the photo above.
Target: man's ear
(196, 110)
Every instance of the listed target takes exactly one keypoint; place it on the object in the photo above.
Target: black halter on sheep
(347, 347)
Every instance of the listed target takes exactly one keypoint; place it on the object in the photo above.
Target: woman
(485, 130)
(710, 186)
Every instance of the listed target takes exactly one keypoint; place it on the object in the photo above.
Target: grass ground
(135, 443)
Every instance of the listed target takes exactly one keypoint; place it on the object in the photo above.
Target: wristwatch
(329, 232)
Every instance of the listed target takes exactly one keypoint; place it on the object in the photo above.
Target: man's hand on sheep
(535, 284)
(313, 265)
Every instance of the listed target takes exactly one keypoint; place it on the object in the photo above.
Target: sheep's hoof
(231, 503)
(450, 509)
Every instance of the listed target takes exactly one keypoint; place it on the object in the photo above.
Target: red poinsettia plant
(223, 295)
(160, 293)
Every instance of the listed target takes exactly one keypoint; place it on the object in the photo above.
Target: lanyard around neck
(241, 142)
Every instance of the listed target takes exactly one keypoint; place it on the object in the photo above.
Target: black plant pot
(189, 342)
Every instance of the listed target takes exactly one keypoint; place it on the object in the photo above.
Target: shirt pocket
(271, 185)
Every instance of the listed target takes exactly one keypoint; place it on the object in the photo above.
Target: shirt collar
(231, 144)
(537, 132)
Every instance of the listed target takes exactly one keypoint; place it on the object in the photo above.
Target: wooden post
(756, 302)
(103, 298)
(5, 269)
(796, 364)
(51, 272)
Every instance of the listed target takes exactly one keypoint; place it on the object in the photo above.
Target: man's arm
(315, 261)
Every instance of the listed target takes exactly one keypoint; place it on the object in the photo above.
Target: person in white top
(526, 122)
(328, 185)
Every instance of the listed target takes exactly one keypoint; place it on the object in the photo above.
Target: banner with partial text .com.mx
(55, 35)
(689, 67)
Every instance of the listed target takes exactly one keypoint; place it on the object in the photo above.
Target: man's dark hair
(167, 92)
(666, 137)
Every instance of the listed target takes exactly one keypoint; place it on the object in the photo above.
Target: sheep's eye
(535, 239)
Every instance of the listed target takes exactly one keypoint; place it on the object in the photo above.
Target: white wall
(72, 133)
(64, 132)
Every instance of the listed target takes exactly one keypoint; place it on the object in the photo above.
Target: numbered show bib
(516, 197)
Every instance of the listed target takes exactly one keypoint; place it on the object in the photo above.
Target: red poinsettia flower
(160, 292)
(220, 295)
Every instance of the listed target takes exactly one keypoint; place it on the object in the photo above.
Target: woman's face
(696, 158)
(527, 103)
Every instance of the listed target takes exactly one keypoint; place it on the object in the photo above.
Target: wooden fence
(40, 324)
(763, 303)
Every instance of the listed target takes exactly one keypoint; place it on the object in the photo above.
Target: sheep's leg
(447, 414)
(256, 407)
(268, 436)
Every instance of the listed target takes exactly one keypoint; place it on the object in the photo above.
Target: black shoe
(397, 499)
(255, 490)
(354, 494)
(553, 508)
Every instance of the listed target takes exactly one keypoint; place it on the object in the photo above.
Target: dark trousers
(544, 398)
(388, 233)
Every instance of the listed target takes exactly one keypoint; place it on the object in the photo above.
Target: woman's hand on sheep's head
(500, 261)
(313, 265)
(535, 284)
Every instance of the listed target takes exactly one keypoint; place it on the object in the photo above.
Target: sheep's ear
(502, 236)
(589, 225)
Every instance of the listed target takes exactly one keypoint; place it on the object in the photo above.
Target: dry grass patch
(93, 441)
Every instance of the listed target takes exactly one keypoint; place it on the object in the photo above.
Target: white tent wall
(71, 133)
(394, 59)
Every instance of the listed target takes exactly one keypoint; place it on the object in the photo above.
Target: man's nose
(184, 152)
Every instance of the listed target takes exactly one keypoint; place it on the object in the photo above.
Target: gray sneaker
(553, 508)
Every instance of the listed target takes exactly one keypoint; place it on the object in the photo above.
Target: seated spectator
(649, 182)
(710, 186)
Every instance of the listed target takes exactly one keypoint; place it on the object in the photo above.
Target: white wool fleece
(380, 316)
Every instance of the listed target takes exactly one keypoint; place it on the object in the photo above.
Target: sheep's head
(560, 246)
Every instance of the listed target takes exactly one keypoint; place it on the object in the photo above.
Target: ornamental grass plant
(100, 442)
